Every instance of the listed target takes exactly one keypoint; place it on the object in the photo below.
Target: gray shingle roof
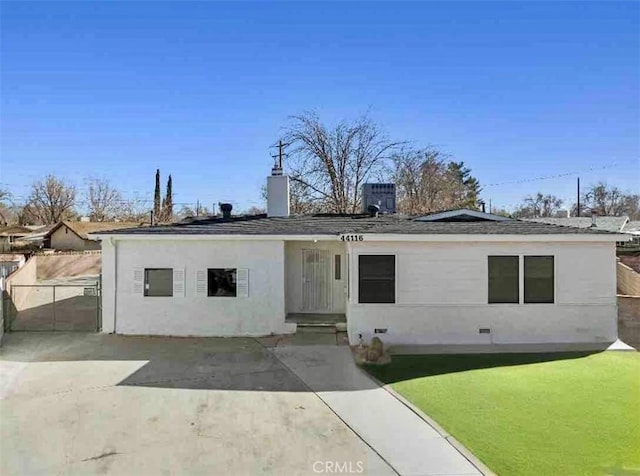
(338, 224)
(613, 224)
(632, 227)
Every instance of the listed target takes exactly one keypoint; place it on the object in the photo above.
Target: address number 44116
(352, 237)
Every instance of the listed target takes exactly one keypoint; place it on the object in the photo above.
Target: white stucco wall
(261, 313)
(441, 296)
(294, 274)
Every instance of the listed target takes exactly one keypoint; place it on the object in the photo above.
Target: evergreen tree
(167, 203)
(156, 198)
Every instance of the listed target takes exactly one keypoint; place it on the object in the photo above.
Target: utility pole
(578, 206)
(489, 205)
(198, 208)
(277, 163)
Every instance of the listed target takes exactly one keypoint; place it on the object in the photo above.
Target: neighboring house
(35, 239)
(408, 281)
(633, 228)
(9, 235)
(606, 223)
(73, 235)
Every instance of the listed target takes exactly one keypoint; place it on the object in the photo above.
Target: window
(158, 282)
(221, 282)
(337, 265)
(538, 279)
(504, 285)
(377, 279)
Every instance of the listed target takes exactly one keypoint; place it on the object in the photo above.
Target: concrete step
(308, 329)
(316, 319)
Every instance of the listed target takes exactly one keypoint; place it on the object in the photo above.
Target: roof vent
(373, 210)
(226, 208)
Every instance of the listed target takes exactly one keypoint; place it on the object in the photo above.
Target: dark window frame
(231, 288)
(493, 281)
(527, 298)
(371, 296)
(146, 284)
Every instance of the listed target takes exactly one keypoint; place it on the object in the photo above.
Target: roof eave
(374, 237)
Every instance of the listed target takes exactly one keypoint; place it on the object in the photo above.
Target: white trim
(572, 237)
(463, 211)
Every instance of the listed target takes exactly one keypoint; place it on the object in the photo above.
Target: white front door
(316, 280)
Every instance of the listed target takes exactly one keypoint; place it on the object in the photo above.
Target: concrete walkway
(403, 439)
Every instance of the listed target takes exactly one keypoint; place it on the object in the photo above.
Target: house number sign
(352, 237)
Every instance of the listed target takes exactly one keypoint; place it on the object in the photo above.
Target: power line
(550, 177)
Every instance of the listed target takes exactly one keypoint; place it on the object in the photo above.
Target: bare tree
(134, 210)
(103, 200)
(428, 181)
(605, 200)
(198, 211)
(50, 201)
(328, 165)
(503, 212)
(538, 205)
(253, 210)
(5, 207)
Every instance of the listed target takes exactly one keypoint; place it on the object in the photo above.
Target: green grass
(531, 414)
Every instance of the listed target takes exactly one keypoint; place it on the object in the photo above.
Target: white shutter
(242, 282)
(138, 281)
(201, 282)
(178, 282)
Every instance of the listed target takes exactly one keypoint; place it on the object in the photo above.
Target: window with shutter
(221, 282)
(158, 282)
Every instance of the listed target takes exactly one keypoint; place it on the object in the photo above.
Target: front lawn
(531, 414)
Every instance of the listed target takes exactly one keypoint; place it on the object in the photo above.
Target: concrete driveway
(101, 404)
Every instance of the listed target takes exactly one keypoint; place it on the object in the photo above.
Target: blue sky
(202, 89)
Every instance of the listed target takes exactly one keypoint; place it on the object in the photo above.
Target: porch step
(315, 319)
(306, 329)
(322, 328)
